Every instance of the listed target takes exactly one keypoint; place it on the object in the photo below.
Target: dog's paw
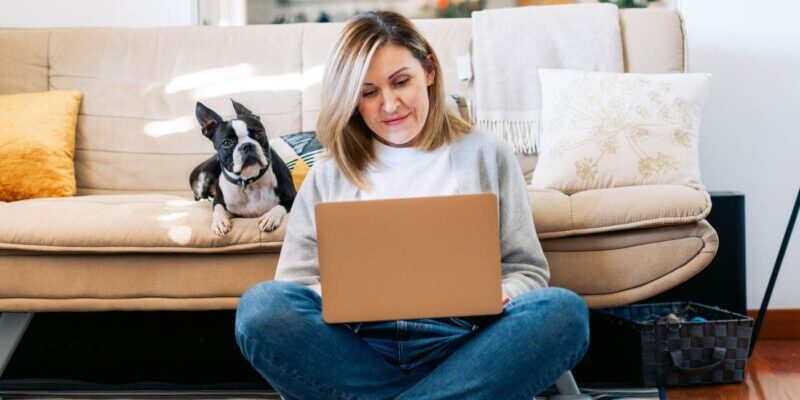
(271, 219)
(221, 221)
(220, 226)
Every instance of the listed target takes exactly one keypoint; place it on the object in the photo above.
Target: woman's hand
(505, 299)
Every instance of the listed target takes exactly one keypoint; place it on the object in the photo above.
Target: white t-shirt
(409, 172)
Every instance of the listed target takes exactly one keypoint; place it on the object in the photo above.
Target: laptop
(409, 258)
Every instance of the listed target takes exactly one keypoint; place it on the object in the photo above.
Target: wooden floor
(773, 373)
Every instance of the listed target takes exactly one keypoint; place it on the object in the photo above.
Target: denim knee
(566, 313)
(573, 316)
(266, 304)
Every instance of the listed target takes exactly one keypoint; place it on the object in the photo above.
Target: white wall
(750, 133)
(63, 13)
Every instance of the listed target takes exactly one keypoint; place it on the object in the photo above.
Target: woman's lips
(396, 121)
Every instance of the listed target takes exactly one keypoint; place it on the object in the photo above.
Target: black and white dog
(246, 178)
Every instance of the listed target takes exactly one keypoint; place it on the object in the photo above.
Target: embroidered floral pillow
(603, 129)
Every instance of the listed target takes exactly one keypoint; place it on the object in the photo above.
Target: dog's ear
(208, 119)
(242, 111)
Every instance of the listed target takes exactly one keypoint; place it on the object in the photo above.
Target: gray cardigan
(481, 162)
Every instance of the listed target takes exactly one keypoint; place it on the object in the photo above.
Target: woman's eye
(227, 143)
(369, 94)
(401, 82)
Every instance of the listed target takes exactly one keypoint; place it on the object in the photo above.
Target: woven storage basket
(653, 353)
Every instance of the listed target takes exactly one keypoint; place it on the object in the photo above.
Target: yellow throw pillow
(299, 173)
(37, 144)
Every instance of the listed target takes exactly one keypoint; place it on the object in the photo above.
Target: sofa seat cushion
(607, 269)
(557, 214)
(149, 223)
(616, 268)
(130, 281)
(158, 223)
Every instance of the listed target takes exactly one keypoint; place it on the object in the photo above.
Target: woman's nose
(389, 102)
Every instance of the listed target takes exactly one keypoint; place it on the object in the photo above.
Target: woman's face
(394, 98)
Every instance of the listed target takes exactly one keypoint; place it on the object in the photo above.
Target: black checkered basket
(678, 353)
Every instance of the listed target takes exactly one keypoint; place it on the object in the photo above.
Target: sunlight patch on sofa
(173, 217)
(294, 81)
(170, 126)
(180, 234)
(211, 76)
(180, 203)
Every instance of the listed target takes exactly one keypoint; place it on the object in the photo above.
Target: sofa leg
(12, 327)
(568, 388)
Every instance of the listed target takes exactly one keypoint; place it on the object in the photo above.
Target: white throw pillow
(604, 129)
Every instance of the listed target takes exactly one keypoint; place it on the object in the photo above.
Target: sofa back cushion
(136, 129)
(24, 53)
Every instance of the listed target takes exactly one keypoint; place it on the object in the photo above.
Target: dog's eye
(227, 143)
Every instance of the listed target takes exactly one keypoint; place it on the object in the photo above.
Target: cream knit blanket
(511, 44)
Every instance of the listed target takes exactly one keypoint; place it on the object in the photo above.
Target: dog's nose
(247, 147)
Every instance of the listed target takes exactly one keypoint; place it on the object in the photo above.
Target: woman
(387, 134)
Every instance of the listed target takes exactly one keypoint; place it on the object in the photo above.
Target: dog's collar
(244, 182)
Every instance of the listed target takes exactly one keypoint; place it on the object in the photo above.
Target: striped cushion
(298, 151)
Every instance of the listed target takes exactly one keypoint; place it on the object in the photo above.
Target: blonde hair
(341, 130)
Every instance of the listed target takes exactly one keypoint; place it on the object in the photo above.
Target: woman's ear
(430, 75)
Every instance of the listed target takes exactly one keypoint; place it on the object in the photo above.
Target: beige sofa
(134, 240)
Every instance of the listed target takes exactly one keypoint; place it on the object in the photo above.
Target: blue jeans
(517, 354)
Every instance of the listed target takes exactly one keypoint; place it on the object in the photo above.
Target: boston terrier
(246, 178)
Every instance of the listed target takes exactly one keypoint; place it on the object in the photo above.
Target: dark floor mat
(159, 350)
(162, 354)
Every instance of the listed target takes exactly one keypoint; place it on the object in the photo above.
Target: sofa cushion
(24, 54)
(137, 130)
(608, 269)
(125, 224)
(556, 214)
(94, 281)
(173, 224)
(616, 268)
(653, 40)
